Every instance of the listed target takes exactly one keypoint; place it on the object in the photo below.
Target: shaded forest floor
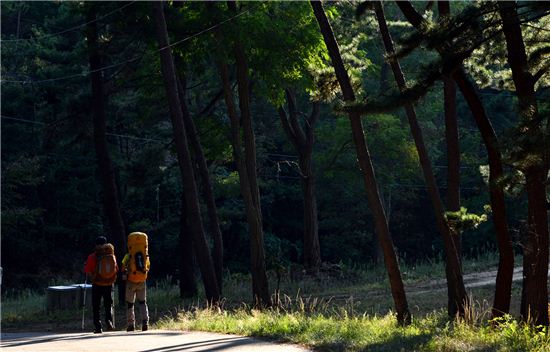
(364, 290)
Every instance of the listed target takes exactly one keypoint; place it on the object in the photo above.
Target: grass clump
(503, 334)
(342, 331)
(23, 306)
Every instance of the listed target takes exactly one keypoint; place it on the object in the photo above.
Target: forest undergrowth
(341, 309)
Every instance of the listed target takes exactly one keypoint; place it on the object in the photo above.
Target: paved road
(150, 341)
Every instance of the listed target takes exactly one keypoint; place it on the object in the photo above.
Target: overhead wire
(71, 28)
(271, 176)
(82, 74)
(147, 139)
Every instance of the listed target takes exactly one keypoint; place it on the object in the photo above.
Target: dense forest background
(52, 205)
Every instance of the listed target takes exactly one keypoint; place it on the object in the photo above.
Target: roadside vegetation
(345, 330)
(342, 309)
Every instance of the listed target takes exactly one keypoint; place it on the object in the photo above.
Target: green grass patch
(344, 309)
(25, 306)
(341, 331)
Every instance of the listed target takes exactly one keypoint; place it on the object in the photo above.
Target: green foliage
(462, 220)
(488, 64)
(51, 194)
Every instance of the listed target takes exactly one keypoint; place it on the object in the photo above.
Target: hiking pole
(113, 308)
(84, 299)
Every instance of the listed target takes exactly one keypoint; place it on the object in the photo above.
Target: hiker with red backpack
(135, 269)
(101, 268)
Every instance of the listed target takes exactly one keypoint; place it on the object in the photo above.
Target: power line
(130, 60)
(204, 31)
(69, 29)
(74, 75)
(137, 138)
(107, 133)
(22, 120)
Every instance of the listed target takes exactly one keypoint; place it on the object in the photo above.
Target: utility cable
(69, 29)
(107, 133)
(130, 60)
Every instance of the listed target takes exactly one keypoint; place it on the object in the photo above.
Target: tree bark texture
(260, 288)
(302, 140)
(188, 283)
(453, 268)
(111, 203)
(200, 245)
(246, 166)
(208, 192)
(534, 302)
(503, 287)
(365, 163)
(451, 131)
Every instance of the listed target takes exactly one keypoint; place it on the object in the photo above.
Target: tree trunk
(534, 303)
(217, 251)
(246, 167)
(503, 287)
(257, 252)
(188, 283)
(312, 249)
(453, 149)
(111, 202)
(453, 269)
(365, 163)
(260, 289)
(303, 144)
(184, 159)
(451, 132)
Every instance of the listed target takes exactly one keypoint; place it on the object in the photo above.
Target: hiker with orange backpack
(101, 268)
(135, 269)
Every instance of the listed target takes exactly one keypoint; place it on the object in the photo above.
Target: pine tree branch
(538, 75)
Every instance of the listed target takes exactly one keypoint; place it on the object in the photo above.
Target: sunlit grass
(340, 330)
(347, 309)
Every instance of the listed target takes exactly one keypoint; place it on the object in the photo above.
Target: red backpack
(106, 267)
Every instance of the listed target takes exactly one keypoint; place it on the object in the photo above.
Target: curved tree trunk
(365, 163)
(184, 159)
(111, 203)
(303, 144)
(217, 250)
(453, 269)
(503, 288)
(534, 298)
(503, 285)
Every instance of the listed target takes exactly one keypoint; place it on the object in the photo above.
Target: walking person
(101, 268)
(135, 269)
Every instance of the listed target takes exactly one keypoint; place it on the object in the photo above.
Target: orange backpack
(138, 257)
(106, 268)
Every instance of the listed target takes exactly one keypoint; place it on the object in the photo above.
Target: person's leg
(96, 300)
(141, 294)
(108, 301)
(130, 299)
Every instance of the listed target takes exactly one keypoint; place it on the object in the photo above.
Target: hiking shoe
(130, 328)
(98, 331)
(144, 326)
(110, 326)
